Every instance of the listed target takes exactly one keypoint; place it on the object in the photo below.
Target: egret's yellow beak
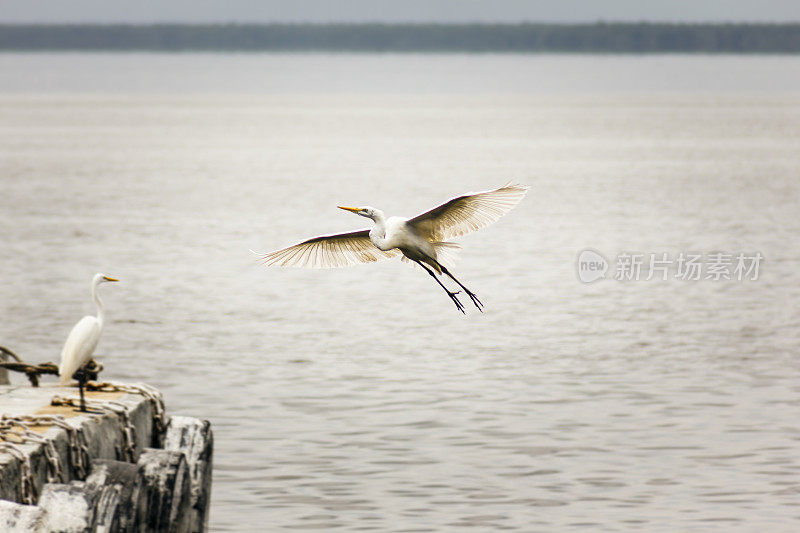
(110, 279)
(352, 209)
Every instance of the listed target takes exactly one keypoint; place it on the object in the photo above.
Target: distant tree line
(528, 37)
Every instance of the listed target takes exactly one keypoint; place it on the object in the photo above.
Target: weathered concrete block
(167, 485)
(195, 439)
(107, 509)
(18, 518)
(48, 449)
(126, 511)
(80, 507)
(68, 508)
(104, 434)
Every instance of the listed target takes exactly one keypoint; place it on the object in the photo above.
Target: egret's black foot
(475, 300)
(456, 301)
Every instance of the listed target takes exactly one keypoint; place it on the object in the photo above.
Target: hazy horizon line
(411, 23)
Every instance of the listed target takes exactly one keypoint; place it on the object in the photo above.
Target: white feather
(328, 251)
(468, 212)
(79, 347)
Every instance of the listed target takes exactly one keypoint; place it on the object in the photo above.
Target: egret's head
(102, 278)
(367, 211)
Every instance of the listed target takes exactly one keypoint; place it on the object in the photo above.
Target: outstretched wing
(329, 251)
(468, 212)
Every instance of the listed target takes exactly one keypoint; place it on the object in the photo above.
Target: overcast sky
(143, 11)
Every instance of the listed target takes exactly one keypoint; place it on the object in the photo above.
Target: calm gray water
(359, 399)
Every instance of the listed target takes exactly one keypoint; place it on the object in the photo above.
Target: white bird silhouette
(421, 239)
(82, 340)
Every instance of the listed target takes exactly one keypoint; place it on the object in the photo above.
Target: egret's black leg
(82, 375)
(471, 294)
(81, 380)
(450, 293)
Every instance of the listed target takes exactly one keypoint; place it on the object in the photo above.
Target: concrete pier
(124, 467)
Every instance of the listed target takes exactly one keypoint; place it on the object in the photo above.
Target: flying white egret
(83, 340)
(422, 239)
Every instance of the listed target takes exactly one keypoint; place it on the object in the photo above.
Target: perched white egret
(422, 239)
(83, 340)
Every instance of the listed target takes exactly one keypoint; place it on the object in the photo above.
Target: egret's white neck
(101, 312)
(378, 232)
